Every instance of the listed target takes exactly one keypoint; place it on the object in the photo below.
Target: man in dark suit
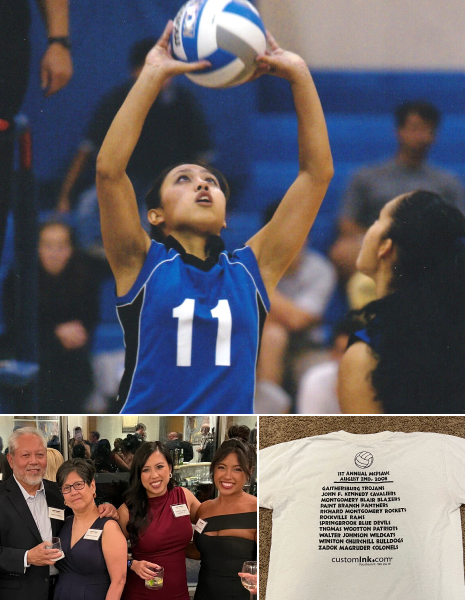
(32, 510)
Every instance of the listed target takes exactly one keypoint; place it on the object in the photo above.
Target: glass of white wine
(249, 578)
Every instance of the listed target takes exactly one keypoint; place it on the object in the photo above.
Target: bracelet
(63, 40)
(130, 561)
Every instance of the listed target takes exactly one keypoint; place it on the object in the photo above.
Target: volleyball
(364, 459)
(227, 33)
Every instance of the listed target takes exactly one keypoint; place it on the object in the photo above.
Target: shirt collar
(27, 494)
(214, 247)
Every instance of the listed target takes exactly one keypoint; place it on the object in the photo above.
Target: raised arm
(126, 243)
(276, 245)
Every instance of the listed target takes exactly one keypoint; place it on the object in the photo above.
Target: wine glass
(250, 583)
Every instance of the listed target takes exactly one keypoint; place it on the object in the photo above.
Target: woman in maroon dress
(157, 518)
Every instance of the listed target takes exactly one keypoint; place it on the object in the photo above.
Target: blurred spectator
(175, 441)
(174, 131)
(141, 431)
(206, 449)
(297, 308)
(79, 451)
(317, 393)
(54, 442)
(54, 461)
(372, 187)
(104, 458)
(5, 469)
(94, 437)
(68, 313)
(55, 71)
(117, 445)
(128, 449)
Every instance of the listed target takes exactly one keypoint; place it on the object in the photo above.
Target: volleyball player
(191, 313)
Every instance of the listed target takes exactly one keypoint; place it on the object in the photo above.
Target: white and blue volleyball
(227, 33)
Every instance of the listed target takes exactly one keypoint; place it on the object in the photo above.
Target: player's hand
(56, 68)
(41, 556)
(107, 510)
(72, 335)
(279, 62)
(160, 59)
(143, 568)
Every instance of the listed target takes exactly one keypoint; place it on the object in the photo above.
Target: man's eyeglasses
(78, 485)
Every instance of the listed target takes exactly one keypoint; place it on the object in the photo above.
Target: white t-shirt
(365, 517)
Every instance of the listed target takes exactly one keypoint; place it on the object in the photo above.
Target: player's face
(416, 135)
(155, 475)
(78, 499)
(375, 240)
(229, 476)
(55, 248)
(29, 460)
(191, 201)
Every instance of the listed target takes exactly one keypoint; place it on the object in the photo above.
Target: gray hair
(13, 439)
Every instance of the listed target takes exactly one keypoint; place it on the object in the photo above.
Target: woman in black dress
(94, 565)
(229, 537)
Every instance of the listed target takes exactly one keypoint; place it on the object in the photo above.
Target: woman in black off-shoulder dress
(228, 538)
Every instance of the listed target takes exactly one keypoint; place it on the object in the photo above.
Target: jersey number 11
(185, 315)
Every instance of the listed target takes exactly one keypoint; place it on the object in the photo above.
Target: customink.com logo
(364, 459)
(364, 560)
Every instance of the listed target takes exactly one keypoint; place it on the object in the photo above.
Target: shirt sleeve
(455, 467)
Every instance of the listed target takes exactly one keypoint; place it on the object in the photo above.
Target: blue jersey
(192, 331)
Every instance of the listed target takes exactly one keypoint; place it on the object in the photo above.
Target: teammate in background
(409, 352)
(192, 314)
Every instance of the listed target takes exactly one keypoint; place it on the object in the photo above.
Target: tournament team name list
(346, 509)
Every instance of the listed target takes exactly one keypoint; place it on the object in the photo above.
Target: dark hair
(180, 435)
(239, 431)
(131, 443)
(79, 451)
(425, 110)
(153, 197)
(139, 51)
(95, 434)
(84, 468)
(418, 330)
(102, 457)
(243, 452)
(136, 498)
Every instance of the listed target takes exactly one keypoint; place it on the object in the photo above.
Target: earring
(171, 475)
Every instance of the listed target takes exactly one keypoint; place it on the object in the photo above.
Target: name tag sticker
(93, 534)
(180, 510)
(56, 513)
(200, 525)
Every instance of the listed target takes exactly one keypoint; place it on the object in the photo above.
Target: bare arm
(56, 68)
(355, 392)
(76, 168)
(123, 519)
(192, 503)
(115, 550)
(285, 312)
(277, 244)
(126, 243)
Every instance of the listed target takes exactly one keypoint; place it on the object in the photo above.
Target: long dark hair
(418, 330)
(136, 498)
